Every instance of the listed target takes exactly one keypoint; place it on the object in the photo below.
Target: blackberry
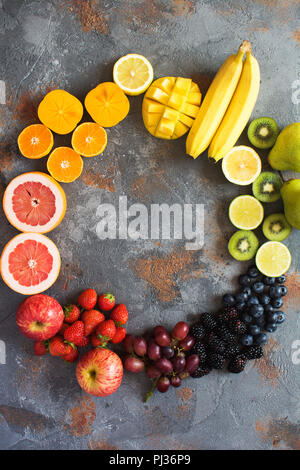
(225, 334)
(217, 345)
(203, 369)
(231, 350)
(199, 349)
(237, 364)
(231, 313)
(208, 321)
(237, 326)
(197, 331)
(253, 352)
(216, 361)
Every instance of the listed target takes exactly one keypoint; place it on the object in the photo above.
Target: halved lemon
(241, 165)
(273, 259)
(133, 73)
(246, 212)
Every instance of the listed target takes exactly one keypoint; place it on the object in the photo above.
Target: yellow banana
(215, 103)
(238, 111)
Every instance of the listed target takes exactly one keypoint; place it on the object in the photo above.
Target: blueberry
(264, 299)
(254, 329)
(283, 290)
(247, 340)
(229, 299)
(275, 292)
(281, 279)
(244, 280)
(261, 339)
(246, 318)
(241, 297)
(256, 311)
(247, 291)
(280, 317)
(253, 300)
(268, 281)
(260, 321)
(277, 303)
(258, 287)
(240, 306)
(253, 272)
(271, 327)
(272, 317)
(268, 308)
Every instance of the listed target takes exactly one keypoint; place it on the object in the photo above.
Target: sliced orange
(60, 111)
(241, 165)
(107, 104)
(64, 164)
(89, 139)
(35, 141)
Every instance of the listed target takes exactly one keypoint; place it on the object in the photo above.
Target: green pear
(290, 193)
(285, 155)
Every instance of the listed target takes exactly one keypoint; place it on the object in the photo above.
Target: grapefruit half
(30, 263)
(34, 202)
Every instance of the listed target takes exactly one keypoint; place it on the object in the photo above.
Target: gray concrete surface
(73, 45)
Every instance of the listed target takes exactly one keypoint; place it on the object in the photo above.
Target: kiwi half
(276, 228)
(263, 132)
(243, 245)
(266, 187)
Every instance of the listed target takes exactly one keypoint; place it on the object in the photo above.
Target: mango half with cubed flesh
(170, 106)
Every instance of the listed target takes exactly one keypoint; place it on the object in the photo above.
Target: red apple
(99, 372)
(40, 317)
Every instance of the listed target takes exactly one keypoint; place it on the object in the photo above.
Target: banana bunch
(227, 106)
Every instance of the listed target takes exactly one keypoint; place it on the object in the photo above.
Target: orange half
(35, 141)
(64, 164)
(89, 139)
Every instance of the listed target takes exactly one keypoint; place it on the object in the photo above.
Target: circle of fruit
(31, 261)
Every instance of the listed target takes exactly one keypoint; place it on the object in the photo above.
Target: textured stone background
(73, 45)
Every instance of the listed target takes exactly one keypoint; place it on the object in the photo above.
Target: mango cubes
(170, 106)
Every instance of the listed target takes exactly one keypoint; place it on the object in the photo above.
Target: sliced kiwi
(276, 228)
(263, 132)
(266, 187)
(243, 245)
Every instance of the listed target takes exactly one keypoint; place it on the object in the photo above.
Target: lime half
(246, 212)
(273, 259)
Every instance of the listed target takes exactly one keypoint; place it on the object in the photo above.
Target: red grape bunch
(165, 358)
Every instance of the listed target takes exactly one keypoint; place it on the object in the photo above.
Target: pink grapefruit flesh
(34, 202)
(30, 263)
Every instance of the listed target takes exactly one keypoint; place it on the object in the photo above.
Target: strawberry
(75, 333)
(84, 341)
(119, 335)
(96, 342)
(63, 328)
(91, 318)
(105, 331)
(41, 347)
(106, 301)
(87, 299)
(58, 347)
(119, 315)
(72, 313)
(72, 356)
